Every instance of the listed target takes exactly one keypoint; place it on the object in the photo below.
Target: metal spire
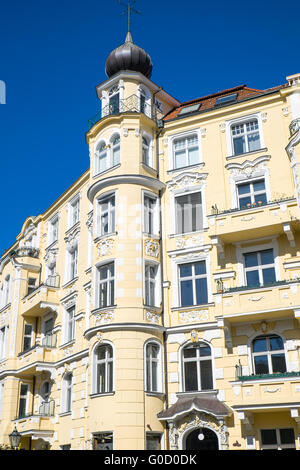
(128, 11)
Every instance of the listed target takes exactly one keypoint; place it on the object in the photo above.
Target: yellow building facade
(156, 303)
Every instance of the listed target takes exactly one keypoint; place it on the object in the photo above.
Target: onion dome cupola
(128, 56)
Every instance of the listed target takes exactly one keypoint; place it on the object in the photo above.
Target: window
(3, 333)
(114, 100)
(73, 260)
(268, 355)
(150, 284)
(152, 367)
(74, 211)
(27, 342)
(193, 283)
(279, 439)
(45, 391)
(226, 99)
(146, 151)
(70, 324)
(5, 292)
(67, 393)
(153, 441)
(259, 268)
(107, 156)
(250, 193)
(189, 213)
(103, 441)
(31, 285)
(106, 285)
(53, 230)
(106, 215)
(186, 151)
(65, 447)
(245, 137)
(23, 400)
(189, 109)
(104, 369)
(197, 367)
(49, 338)
(150, 215)
(115, 150)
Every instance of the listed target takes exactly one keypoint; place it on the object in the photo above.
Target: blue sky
(52, 55)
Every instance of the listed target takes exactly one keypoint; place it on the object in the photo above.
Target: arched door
(202, 439)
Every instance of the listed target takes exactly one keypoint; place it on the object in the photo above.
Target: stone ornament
(153, 317)
(186, 179)
(105, 247)
(152, 248)
(104, 317)
(193, 316)
(188, 242)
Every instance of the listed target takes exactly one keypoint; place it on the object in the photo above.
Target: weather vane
(129, 10)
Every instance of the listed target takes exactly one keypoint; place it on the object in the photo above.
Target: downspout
(162, 288)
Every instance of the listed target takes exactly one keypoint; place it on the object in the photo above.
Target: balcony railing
(46, 409)
(131, 104)
(294, 126)
(257, 205)
(277, 375)
(29, 251)
(50, 340)
(229, 290)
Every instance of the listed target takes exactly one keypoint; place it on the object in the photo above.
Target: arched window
(146, 151)
(103, 369)
(115, 150)
(268, 355)
(101, 157)
(67, 393)
(197, 367)
(152, 367)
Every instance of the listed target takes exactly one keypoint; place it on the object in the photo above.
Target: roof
(208, 102)
(208, 403)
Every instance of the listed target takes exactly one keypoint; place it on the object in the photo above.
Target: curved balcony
(43, 297)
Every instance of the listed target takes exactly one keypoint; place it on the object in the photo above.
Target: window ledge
(104, 394)
(5, 307)
(187, 234)
(230, 157)
(149, 168)
(52, 244)
(65, 413)
(192, 307)
(182, 168)
(65, 345)
(73, 227)
(198, 392)
(102, 237)
(107, 171)
(263, 378)
(155, 394)
(67, 284)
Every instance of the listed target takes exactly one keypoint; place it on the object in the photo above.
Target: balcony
(258, 303)
(43, 297)
(132, 104)
(46, 410)
(274, 217)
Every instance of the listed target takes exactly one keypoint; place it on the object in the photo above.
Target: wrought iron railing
(277, 375)
(131, 104)
(294, 126)
(216, 211)
(50, 340)
(229, 290)
(47, 408)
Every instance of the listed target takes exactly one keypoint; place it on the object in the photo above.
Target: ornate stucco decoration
(188, 242)
(153, 317)
(152, 248)
(203, 420)
(193, 316)
(187, 179)
(89, 222)
(104, 317)
(105, 246)
(72, 239)
(50, 257)
(248, 169)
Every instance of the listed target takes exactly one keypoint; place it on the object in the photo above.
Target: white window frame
(157, 283)
(74, 209)
(69, 323)
(5, 291)
(184, 192)
(149, 139)
(113, 278)
(143, 90)
(108, 146)
(179, 136)
(187, 194)
(66, 389)
(180, 260)
(26, 397)
(71, 271)
(240, 251)
(241, 120)
(148, 363)
(53, 230)
(252, 193)
(112, 212)
(267, 353)
(155, 213)
(3, 341)
(181, 367)
(193, 278)
(30, 336)
(95, 388)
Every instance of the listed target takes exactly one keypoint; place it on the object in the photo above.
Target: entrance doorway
(208, 442)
